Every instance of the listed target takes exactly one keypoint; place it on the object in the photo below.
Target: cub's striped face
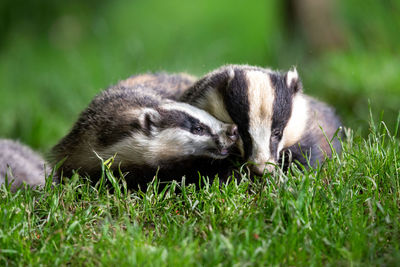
(260, 102)
(172, 131)
(196, 131)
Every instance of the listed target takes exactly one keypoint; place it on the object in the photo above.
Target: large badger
(21, 165)
(148, 134)
(272, 113)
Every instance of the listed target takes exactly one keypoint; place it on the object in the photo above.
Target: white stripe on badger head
(214, 104)
(178, 143)
(297, 123)
(261, 99)
(211, 100)
(195, 112)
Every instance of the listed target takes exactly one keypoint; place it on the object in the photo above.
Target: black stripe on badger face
(180, 119)
(285, 88)
(237, 104)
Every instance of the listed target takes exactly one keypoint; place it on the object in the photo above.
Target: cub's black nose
(233, 133)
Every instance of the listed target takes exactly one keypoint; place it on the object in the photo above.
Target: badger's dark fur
(271, 111)
(21, 165)
(147, 132)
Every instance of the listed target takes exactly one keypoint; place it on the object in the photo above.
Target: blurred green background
(56, 55)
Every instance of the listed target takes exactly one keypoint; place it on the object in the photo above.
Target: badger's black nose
(233, 133)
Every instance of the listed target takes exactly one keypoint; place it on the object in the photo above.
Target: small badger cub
(21, 165)
(147, 132)
(271, 111)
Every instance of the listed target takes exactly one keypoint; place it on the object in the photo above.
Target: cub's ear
(218, 79)
(293, 81)
(148, 118)
(222, 78)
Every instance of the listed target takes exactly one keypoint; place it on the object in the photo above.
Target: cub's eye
(198, 129)
(276, 133)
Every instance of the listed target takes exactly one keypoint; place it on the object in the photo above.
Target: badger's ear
(217, 79)
(221, 79)
(148, 118)
(293, 81)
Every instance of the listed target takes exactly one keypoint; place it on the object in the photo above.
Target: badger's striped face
(197, 132)
(261, 102)
(172, 131)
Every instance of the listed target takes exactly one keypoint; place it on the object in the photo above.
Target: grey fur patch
(21, 165)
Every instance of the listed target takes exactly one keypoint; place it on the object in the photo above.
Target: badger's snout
(227, 139)
(228, 136)
(232, 132)
(224, 141)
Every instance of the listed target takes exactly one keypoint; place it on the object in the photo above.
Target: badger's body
(167, 85)
(271, 111)
(21, 165)
(148, 134)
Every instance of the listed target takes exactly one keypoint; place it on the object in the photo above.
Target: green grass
(345, 212)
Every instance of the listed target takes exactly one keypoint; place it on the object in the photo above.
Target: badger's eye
(198, 129)
(276, 133)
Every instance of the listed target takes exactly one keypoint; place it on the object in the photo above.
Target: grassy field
(55, 58)
(345, 212)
